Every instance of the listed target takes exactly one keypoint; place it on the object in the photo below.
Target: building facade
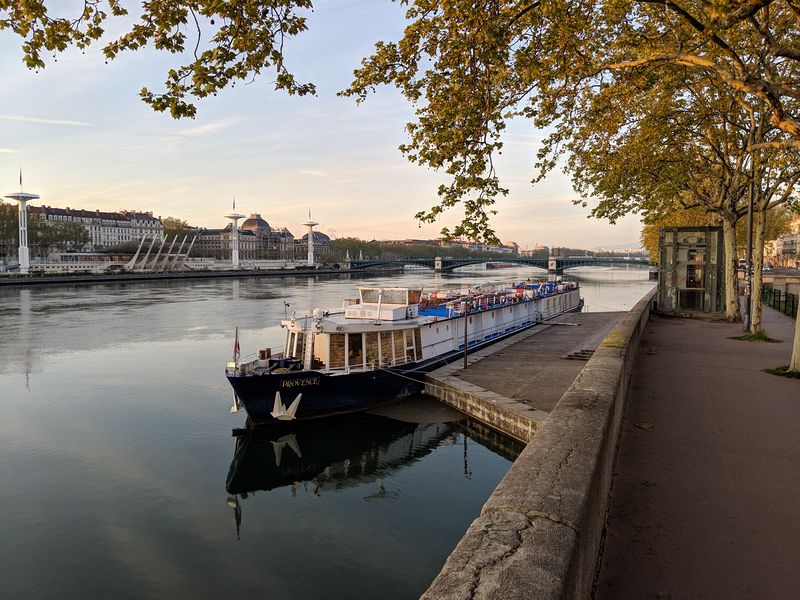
(104, 228)
(257, 240)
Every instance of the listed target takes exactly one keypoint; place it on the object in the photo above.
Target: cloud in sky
(208, 128)
(43, 121)
(8, 151)
(313, 173)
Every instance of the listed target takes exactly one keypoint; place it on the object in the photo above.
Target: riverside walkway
(706, 487)
(668, 469)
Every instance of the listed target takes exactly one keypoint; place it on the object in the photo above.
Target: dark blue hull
(326, 395)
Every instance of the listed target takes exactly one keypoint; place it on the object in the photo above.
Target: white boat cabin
(379, 329)
(392, 326)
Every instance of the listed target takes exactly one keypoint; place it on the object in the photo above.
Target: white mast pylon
(23, 253)
(310, 224)
(234, 217)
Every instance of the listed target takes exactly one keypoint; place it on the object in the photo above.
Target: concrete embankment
(37, 280)
(539, 534)
(514, 384)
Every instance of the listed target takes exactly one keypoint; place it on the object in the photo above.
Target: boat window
(417, 344)
(355, 351)
(337, 351)
(386, 348)
(399, 349)
(371, 347)
(320, 350)
(371, 295)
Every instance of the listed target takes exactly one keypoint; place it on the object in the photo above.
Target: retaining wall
(514, 419)
(539, 534)
(83, 279)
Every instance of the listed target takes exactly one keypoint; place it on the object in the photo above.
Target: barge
(377, 348)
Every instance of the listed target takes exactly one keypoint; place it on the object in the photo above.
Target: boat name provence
(290, 383)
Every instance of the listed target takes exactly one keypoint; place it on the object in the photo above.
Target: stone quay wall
(539, 534)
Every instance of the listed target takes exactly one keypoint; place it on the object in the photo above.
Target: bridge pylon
(554, 266)
(437, 264)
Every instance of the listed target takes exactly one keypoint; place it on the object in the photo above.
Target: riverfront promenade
(706, 488)
(701, 500)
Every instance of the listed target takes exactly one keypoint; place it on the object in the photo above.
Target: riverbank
(694, 466)
(84, 279)
(539, 533)
(514, 384)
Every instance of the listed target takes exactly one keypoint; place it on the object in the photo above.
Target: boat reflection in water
(330, 455)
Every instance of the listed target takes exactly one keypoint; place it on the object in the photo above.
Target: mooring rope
(435, 385)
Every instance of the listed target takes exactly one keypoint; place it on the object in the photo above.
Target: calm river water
(119, 476)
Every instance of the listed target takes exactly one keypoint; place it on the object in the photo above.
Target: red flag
(236, 351)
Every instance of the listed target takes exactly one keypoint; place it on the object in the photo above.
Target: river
(120, 477)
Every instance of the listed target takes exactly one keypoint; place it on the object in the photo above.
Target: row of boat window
(359, 350)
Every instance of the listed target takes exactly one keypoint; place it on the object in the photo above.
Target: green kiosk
(690, 272)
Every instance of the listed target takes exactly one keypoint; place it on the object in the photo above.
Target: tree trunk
(732, 312)
(760, 224)
(795, 364)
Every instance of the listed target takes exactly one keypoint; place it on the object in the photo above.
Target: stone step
(582, 354)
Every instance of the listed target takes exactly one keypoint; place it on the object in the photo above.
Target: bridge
(553, 264)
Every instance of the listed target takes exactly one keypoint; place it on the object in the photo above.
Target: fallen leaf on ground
(646, 426)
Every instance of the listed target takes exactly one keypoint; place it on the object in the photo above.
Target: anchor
(280, 412)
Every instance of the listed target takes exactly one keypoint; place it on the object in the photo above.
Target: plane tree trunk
(794, 365)
(732, 311)
(760, 226)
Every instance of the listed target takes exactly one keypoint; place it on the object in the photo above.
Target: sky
(83, 139)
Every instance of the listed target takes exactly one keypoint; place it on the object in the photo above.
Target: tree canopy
(471, 66)
(64, 235)
(222, 42)
(174, 226)
(468, 67)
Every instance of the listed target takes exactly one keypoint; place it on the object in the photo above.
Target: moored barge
(377, 348)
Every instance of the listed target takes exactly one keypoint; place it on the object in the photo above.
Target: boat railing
(485, 333)
(371, 365)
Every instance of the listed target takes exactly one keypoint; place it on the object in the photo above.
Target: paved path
(706, 496)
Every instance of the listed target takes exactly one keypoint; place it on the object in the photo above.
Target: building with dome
(322, 243)
(257, 241)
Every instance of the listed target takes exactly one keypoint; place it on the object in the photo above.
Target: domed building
(321, 241)
(257, 240)
(271, 243)
(255, 224)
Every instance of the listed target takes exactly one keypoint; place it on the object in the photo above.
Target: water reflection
(328, 456)
(331, 455)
